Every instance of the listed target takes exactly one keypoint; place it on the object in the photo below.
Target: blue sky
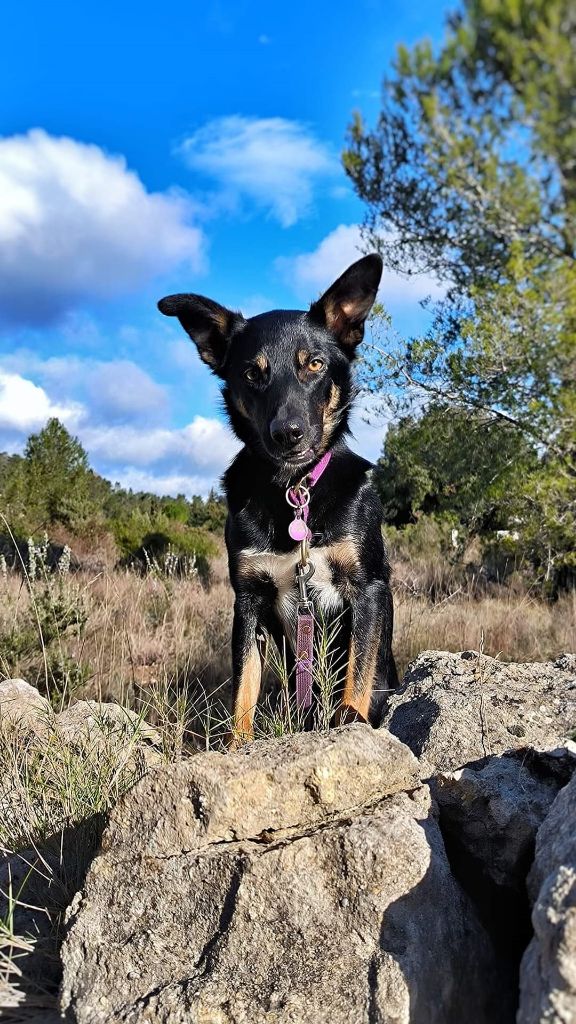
(177, 147)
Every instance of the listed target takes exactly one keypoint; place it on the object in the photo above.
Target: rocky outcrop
(42, 756)
(496, 743)
(456, 708)
(302, 879)
(548, 972)
(362, 875)
(84, 722)
(23, 706)
(491, 809)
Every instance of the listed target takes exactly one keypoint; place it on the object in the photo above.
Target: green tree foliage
(53, 485)
(470, 175)
(56, 476)
(451, 462)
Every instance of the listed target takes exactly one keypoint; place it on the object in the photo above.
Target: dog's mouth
(298, 458)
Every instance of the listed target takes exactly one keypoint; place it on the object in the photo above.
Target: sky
(149, 149)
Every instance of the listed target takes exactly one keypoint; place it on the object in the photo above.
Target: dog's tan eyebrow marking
(302, 357)
(261, 361)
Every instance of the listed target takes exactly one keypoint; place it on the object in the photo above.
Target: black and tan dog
(288, 390)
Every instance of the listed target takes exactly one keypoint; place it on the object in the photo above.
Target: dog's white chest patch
(281, 569)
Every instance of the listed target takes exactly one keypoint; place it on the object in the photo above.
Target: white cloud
(115, 391)
(272, 162)
(25, 407)
(188, 459)
(310, 273)
(121, 390)
(205, 444)
(76, 224)
(368, 423)
(171, 483)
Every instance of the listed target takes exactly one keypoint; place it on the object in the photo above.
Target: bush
(144, 541)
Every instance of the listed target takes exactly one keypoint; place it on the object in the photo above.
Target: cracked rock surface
(298, 880)
(457, 708)
(548, 970)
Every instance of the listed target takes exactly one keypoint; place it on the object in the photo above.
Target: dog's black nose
(286, 433)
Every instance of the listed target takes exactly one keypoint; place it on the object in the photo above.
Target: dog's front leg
(246, 667)
(370, 643)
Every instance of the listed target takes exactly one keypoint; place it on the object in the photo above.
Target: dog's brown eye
(315, 365)
(252, 374)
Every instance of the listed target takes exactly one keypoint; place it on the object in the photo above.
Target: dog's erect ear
(344, 307)
(210, 325)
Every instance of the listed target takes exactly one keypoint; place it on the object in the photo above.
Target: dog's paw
(346, 715)
(236, 739)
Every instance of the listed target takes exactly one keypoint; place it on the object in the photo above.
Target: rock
(83, 722)
(457, 708)
(302, 879)
(493, 808)
(21, 705)
(88, 721)
(548, 970)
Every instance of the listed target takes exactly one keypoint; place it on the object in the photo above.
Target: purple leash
(298, 497)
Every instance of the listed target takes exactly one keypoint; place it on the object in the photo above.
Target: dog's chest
(281, 570)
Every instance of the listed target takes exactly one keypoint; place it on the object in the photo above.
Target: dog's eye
(315, 365)
(252, 374)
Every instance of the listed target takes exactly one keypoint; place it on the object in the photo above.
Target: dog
(288, 388)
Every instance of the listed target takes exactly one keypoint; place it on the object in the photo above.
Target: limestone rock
(548, 971)
(297, 880)
(492, 808)
(21, 705)
(95, 721)
(457, 708)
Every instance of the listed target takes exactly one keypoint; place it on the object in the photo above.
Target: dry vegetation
(117, 635)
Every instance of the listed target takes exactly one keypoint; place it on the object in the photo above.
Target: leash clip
(304, 573)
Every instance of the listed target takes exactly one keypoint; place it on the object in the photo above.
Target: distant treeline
(51, 488)
(450, 480)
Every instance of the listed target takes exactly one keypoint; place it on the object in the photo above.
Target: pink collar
(316, 472)
(298, 497)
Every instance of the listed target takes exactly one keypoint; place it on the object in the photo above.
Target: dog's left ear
(344, 307)
(210, 325)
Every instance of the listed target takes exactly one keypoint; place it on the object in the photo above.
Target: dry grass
(124, 632)
(513, 627)
(127, 637)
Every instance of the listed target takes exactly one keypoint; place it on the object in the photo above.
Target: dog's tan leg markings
(247, 697)
(360, 678)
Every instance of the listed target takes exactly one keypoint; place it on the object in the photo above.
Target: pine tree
(470, 175)
(57, 476)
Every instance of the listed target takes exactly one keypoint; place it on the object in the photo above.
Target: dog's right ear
(210, 325)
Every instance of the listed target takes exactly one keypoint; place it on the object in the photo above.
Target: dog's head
(288, 384)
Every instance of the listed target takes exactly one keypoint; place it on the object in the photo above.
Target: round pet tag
(298, 530)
